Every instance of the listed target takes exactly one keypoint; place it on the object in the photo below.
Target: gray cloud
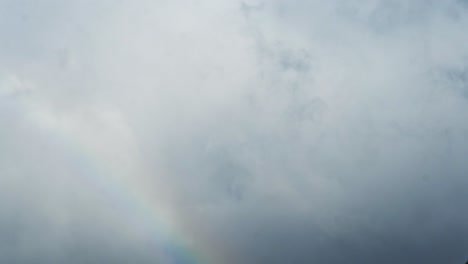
(256, 131)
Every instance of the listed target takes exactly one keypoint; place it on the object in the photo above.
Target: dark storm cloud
(273, 131)
(349, 148)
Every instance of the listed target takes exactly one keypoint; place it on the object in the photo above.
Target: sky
(229, 132)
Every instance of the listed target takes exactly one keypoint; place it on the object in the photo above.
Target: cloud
(243, 131)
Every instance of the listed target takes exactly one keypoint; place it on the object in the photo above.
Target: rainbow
(139, 205)
(98, 173)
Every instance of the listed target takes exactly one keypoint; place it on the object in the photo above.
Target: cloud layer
(253, 132)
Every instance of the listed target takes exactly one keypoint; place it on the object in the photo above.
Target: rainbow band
(171, 244)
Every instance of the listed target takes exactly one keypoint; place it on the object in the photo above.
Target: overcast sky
(234, 132)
